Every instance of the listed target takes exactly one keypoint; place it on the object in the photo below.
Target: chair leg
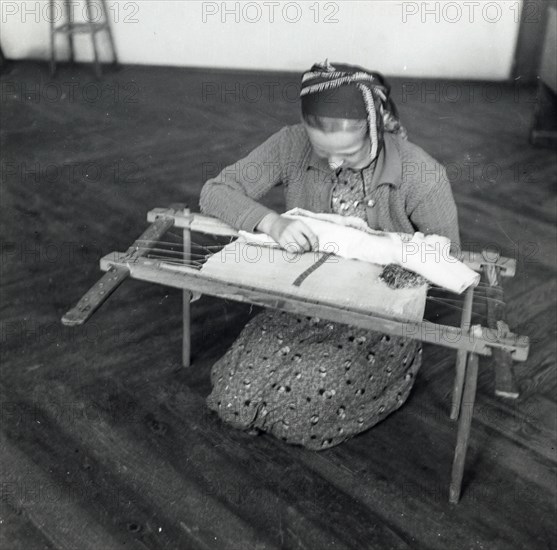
(98, 70)
(52, 40)
(462, 355)
(70, 21)
(110, 34)
(464, 425)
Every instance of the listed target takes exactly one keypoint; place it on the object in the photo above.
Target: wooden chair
(89, 26)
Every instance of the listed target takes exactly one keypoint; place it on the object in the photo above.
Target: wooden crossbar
(480, 340)
(211, 226)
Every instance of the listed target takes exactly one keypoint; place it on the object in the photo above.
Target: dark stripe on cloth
(303, 276)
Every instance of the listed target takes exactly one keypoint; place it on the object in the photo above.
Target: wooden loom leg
(186, 303)
(464, 425)
(461, 356)
(505, 383)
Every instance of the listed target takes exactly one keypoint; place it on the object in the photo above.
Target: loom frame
(470, 341)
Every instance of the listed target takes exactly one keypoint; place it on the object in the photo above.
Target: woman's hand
(289, 234)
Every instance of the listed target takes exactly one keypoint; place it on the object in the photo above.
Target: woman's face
(345, 148)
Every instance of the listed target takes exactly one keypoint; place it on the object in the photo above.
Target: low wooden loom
(470, 341)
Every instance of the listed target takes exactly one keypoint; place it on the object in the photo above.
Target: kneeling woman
(308, 381)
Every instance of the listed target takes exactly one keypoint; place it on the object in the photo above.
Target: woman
(311, 382)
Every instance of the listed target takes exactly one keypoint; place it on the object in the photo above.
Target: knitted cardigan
(406, 189)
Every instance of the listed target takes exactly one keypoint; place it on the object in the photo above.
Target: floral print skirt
(311, 382)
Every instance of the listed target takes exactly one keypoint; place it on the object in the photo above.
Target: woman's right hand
(289, 234)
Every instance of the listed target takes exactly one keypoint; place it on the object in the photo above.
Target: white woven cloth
(350, 237)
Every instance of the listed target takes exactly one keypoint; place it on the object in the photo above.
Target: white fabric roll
(350, 237)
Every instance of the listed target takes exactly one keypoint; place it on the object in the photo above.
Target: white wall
(454, 39)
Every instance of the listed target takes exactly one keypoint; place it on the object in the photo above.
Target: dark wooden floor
(106, 442)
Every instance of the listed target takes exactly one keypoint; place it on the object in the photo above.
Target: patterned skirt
(311, 382)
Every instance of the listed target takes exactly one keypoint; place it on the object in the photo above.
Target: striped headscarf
(351, 92)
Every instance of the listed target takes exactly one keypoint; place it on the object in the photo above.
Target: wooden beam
(104, 287)
(213, 226)
(197, 222)
(478, 260)
(480, 340)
